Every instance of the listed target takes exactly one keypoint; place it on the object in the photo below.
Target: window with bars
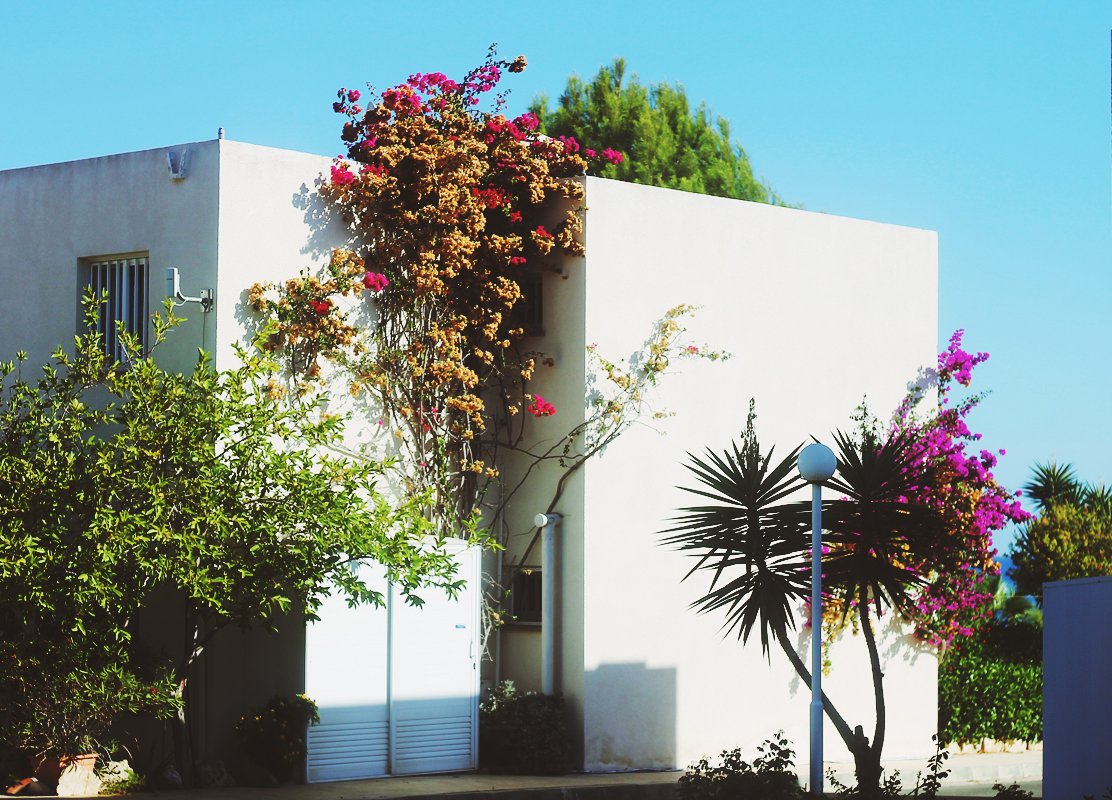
(126, 281)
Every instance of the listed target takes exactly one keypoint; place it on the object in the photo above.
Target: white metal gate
(397, 688)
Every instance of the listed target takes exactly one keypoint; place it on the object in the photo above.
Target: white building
(817, 311)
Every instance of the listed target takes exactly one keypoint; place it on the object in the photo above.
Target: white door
(397, 688)
(346, 673)
(434, 678)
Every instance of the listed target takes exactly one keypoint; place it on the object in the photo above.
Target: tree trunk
(183, 750)
(183, 740)
(196, 639)
(868, 770)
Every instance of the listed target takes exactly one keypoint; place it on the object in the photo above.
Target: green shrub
(58, 697)
(523, 734)
(990, 685)
(1013, 792)
(769, 777)
(274, 738)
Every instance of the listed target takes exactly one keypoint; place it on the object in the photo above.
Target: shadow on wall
(630, 718)
(896, 641)
(326, 229)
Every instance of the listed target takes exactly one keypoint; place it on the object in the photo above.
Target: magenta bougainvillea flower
(375, 281)
(541, 407)
(341, 176)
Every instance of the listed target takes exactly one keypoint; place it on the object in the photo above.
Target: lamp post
(816, 465)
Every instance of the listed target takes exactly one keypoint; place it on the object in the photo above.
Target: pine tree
(662, 141)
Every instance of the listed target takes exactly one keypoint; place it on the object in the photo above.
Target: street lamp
(816, 465)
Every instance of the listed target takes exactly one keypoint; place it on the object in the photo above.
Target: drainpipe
(548, 523)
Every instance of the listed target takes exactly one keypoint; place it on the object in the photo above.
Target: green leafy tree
(116, 478)
(68, 665)
(757, 549)
(1072, 536)
(662, 141)
(1064, 543)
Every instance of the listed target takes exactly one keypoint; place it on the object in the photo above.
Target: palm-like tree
(876, 538)
(745, 529)
(757, 548)
(1051, 484)
(1008, 606)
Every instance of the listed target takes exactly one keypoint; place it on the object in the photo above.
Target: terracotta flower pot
(49, 769)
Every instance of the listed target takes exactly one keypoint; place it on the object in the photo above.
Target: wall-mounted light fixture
(177, 162)
(173, 291)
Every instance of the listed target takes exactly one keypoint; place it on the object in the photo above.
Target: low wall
(1077, 688)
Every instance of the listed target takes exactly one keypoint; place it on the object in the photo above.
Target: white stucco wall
(53, 216)
(1077, 695)
(272, 225)
(818, 311)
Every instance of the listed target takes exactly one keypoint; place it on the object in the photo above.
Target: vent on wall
(126, 281)
(528, 312)
(526, 596)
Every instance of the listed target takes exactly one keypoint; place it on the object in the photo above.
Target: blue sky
(987, 122)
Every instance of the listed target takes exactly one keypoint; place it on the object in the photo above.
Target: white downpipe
(548, 523)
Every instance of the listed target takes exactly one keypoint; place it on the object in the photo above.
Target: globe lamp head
(817, 463)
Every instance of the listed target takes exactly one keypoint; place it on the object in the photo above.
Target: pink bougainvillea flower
(613, 156)
(353, 95)
(590, 153)
(541, 407)
(515, 216)
(570, 145)
(528, 121)
(517, 260)
(320, 306)
(375, 281)
(341, 176)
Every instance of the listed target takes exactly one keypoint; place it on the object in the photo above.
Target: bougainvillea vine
(955, 477)
(456, 214)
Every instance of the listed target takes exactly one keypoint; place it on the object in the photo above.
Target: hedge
(990, 685)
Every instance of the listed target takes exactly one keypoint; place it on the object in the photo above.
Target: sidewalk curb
(665, 790)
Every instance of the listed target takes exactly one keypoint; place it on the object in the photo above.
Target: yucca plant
(756, 544)
(1053, 483)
